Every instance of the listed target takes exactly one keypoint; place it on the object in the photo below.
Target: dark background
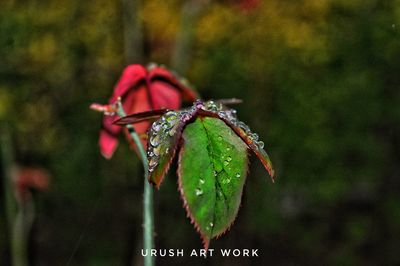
(320, 84)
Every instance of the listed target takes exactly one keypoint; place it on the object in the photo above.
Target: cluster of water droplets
(230, 115)
(160, 131)
(199, 190)
(210, 226)
(167, 125)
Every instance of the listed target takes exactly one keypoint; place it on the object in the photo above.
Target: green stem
(148, 219)
(22, 227)
(15, 220)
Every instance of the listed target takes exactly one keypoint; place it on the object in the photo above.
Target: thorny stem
(148, 217)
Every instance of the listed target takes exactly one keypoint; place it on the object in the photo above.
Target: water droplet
(156, 151)
(215, 173)
(211, 224)
(199, 104)
(185, 116)
(167, 151)
(211, 106)
(153, 163)
(201, 180)
(228, 149)
(229, 158)
(170, 115)
(222, 114)
(237, 175)
(234, 121)
(173, 130)
(254, 137)
(207, 228)
(156, 126)
(243, 126)
(199, 192)
(228, 180)
(155, 140)
(260, 144)
(226, 163)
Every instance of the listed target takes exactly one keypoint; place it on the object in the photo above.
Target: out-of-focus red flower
(141, 89)
(30, 178)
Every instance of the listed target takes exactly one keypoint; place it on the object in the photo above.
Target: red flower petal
(165, 96)
(131, 77)
(140, 91)
(160, 73)
(108, 143)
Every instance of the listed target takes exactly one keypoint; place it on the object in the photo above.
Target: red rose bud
(140, 89)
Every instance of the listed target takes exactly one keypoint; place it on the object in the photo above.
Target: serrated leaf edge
(189, 215)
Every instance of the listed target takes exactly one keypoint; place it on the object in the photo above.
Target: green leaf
(212, 172)
(163, 143)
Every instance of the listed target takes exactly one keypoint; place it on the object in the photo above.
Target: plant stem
(181, 54)
(133, 31)
(148, 218)
(15, 221)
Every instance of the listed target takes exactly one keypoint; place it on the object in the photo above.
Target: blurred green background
(320, 83)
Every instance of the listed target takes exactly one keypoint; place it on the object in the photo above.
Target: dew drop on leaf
(237, 175)
(173, 130)
(229, 158)
(199, 192)
(243, 126)
(156, 126)
(260, 144)
(171, 116)
(155, 140)
(222, 114)
(156, 151)
(152, 163)
(254, 137)
(210, 105)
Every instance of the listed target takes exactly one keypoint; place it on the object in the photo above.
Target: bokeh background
(320, 84)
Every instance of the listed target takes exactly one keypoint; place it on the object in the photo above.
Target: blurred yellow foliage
(5, 100)
(42, 50)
